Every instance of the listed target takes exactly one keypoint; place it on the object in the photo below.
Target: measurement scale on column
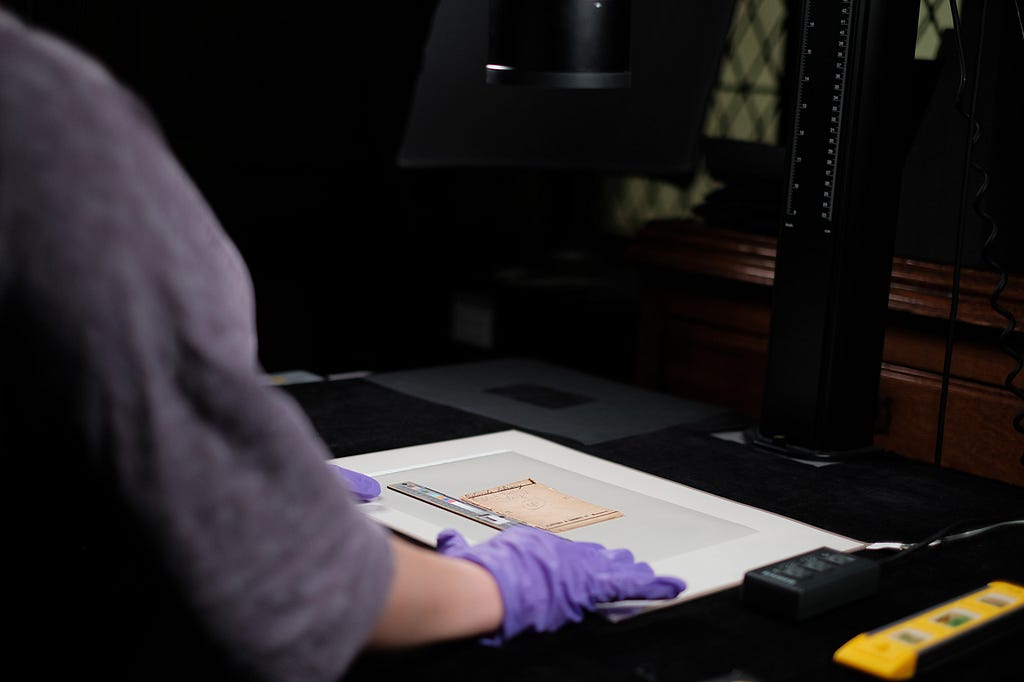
(825, 43)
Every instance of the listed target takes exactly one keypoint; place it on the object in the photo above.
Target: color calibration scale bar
(455, 505)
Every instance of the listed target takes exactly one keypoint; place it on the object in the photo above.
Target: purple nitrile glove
(362, 486)
(547, 581)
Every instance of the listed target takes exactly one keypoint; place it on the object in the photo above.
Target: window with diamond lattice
(746, 104)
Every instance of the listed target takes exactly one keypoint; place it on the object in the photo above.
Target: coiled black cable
(1006, 337)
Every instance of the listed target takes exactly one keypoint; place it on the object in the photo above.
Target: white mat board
(706, 540)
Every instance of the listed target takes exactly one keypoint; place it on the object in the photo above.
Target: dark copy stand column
(836, 242)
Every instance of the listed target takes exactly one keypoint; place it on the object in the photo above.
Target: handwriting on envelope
(540, 506)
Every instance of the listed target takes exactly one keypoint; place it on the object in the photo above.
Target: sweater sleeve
(115, 266)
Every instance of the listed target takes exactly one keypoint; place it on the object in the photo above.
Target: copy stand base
(777, 446)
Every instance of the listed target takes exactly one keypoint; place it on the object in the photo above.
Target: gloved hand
(547, 581)
(362, 486)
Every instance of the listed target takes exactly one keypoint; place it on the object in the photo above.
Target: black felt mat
(881, 498)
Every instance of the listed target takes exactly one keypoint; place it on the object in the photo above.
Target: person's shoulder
(43, 73)
(32, 54)
(70, 133)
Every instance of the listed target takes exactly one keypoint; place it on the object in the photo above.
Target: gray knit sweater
(167, 512)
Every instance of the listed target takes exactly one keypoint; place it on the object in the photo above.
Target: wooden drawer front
(976, 361)
(716, 365)
(979, 436)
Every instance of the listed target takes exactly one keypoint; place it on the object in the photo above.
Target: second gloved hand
(547, 581)
(362, 486)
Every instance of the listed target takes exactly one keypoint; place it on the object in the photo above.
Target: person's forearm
(434, 597)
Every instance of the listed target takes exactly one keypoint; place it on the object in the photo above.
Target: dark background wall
(289, 122)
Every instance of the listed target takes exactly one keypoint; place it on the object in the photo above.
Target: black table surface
(882, 497)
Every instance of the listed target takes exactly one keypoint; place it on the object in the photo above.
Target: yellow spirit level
(902, 648)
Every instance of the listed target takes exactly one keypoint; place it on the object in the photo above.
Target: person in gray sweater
(170, 516)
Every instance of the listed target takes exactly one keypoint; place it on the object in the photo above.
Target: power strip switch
(811, 583)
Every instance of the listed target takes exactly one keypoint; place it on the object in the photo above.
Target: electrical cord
(1006, 333)
(978, 204)
(1018, 421)
(961, 218)
(941, 537)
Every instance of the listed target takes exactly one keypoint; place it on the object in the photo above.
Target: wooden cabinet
(705, 315)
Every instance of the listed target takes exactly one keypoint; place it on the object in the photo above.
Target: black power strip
(811, 583)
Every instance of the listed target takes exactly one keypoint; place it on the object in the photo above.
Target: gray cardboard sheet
(549, 399)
